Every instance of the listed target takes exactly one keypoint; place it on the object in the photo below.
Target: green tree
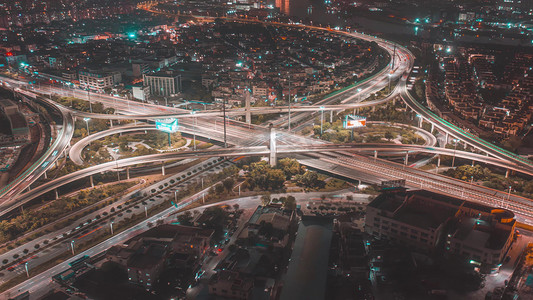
(265, 199)
(185, 218)
(219, 188)
(290, 203)
(228, 184)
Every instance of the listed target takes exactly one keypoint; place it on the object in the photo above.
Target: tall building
(165, 83)
(284, 6)
(426, 221)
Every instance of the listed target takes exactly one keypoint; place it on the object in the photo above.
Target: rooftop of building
(275, 214)
(476, 232)
(147, 256)
(232, 278)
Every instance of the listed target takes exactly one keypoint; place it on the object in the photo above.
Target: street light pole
(72, 246)
(27, 271)
(111, 226)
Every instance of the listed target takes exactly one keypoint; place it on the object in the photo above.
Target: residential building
(231, 285)
(96, 81)
(426, 221)
(146, 264)
(164, 83)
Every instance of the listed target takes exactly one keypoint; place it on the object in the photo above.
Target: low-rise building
(426, 221)
(231, 285)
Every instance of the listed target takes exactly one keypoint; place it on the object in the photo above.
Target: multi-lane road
(250, 140)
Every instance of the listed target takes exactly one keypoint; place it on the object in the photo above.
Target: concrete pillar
(57, 194)
(45, 175)
(272, 146)
(331, 116)
(247, 109)
(438, 161)
(163, 168)
(406, 157)
(421, 122)
(432, 127)
(92, 181)
(128, 173)
(110, 123)
(507, 173)
(447, 137)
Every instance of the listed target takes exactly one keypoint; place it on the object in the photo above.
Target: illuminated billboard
(167, 125)
(351, 121)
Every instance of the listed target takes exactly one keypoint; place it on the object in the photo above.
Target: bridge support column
(57, 194)
(421, 122)
(110, 123)
(406, 157)
(45, 175)
(331, 116)
(432, 127)
(248, 114)
(507, 173)
(163, 168)
(92, 181)
(438, 164)
(128, 173)
(272, 146)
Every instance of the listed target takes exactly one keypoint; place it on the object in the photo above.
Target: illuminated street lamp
(111, 226)
(27, 271)
(72, 246)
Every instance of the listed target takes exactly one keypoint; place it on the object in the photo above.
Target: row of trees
(262, 176)
(288, 202)
(33, 219)
(492, 180)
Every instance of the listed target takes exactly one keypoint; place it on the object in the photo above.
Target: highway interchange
(253, 140)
